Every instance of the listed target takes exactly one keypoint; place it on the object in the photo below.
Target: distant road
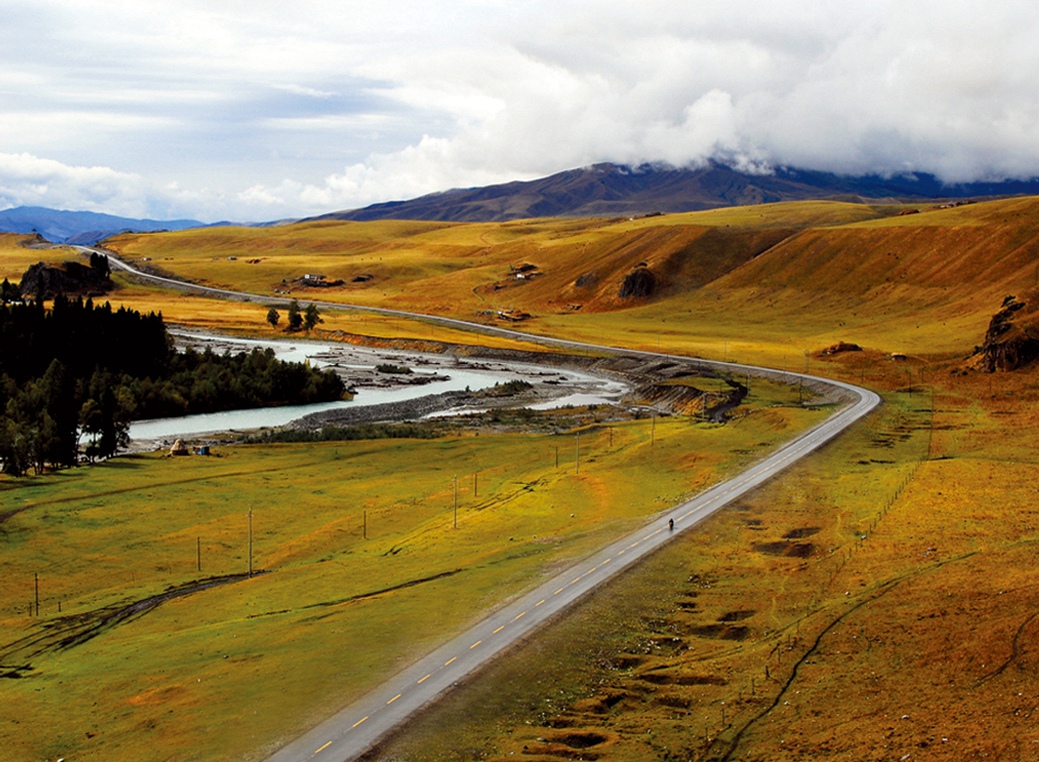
(356, 729)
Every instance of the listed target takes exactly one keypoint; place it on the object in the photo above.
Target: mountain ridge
(599, 190)
(83, 228)
(605, 190)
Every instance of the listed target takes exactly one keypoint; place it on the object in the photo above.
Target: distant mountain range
(607, 190)
(83, 228)
(602, 190)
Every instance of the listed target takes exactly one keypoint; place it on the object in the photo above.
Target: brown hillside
(468, 269)
(864, 260)
(769, 282)
(681, 258)
(934, 277)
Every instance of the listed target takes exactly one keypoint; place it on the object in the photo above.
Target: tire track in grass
(73, 630)
(1015, 650)
(149, 486)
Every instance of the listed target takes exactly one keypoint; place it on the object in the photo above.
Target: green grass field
(226, 672)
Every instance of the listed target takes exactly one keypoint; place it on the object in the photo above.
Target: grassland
(243, 318)
(759, 284)
(877, 602)
(361, 570)
(464, 269)
(848, 610)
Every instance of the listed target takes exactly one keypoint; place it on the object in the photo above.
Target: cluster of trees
(9, 292)
(299, 320)
(205, 382)
(100, 263)
(509, 388)
(82, 372)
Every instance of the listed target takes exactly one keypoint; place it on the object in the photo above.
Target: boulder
(839, 347)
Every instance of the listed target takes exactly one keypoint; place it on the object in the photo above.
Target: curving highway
(358, 727)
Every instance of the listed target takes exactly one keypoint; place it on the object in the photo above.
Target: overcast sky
(260, 110)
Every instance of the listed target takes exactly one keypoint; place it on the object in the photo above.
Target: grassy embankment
(465, 270)
(226, 672)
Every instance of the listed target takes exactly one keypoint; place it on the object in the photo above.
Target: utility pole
(930, 433)
(250, 542)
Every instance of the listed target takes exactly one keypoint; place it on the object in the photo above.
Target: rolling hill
(769, 281)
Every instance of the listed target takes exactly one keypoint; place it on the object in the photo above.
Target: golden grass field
(875, 602)
(759, 284)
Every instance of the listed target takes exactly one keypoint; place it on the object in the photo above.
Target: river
(567, 386)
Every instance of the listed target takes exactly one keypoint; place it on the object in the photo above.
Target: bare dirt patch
(785, 548)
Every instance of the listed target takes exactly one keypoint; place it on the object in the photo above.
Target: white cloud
(310, 92)
(27, 180)
(258, 113)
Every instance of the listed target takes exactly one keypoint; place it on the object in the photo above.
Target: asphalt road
(357, 728)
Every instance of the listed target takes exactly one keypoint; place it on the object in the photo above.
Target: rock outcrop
(640, 282)
(71, 278)
(1012, 338)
